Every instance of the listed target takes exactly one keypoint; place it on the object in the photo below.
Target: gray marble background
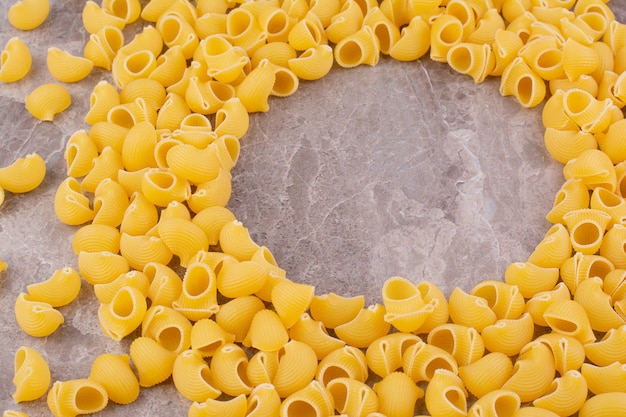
(405, 169)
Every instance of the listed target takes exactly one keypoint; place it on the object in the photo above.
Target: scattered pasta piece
(28, 14)
(15, 61)
(23, 175)
(47, 100)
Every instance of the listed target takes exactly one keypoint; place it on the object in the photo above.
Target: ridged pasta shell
(414, 41)
(499, 402)
(266, 332)
(419, 359)
(228, 366)
(236, 315)
(103, 45)
(334, 310)
(198, 298)
(16, 60)
(569, 318)
(24, 174)
(291, 300)
(173, 112)
(352, 397)
(235, 407)
(113, 372)
(31, 375)
(58, 290)
(314, 334)
(71, 206)
(101, 267)
(505, 46)
(343, 24)
(110, 203)
(183, 238)
(308, 33)
(609, 349)
(553, 114)
(446, 395)
(486, 374)
(586, 227)
(590, 114)
(553, 249)
(397, 395)
(48, 100)
(136, 279)
(162, 187)
(168, 327)
(313, 63)
(28, 14)
(262, 367)
(565, 145)
(192, 377)
(566, 396)
(567, 351)
(124, 314)
(106, 134)
(578, 59)
(296, 368)
(530, 278)
(76, 396)
(153, 362)
(79, 153)
(67, 68)
(263, 401)
(580, 267)
(464, 343)
(237, 279)
(470, 310)
(96, 238)
(477, 61)
(384, 29)
(130, 66)
(348, 361)
(106, 165)
(140, 216)
(95, 18)
(384, 355)
(614, 284)
(520, 81)
(445, 32)
(613, 245)
(572, 195)
(612, 142)
(509, 336)
(359, 48)
(504, 299)
(533, 372)
(170, 67)
(176, 31)
(367, 326)
(207, 336)
(129, 10)
(539, 302)
(610, 403)
(601, 379)
(244, 30)
(545, 56)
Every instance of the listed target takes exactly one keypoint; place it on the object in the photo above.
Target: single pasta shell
(569, 318)
(32, 375)
(23, 175)
(28, 14)
(414, 41)
(76, 396)
(67, 68)
(114, 373)
(565, 145)
(36, 318)
(58, 290)
(578, 59)
(15, 61)
(313, 63)
(154, 363)
(47, 100)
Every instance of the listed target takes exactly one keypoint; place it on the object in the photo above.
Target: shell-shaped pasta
(397, 395)
(193, 164)
(609, 349)
(101, 267)
(504, 299)
(192, 377)
(71, 206)
(578, 59)
(263, 401)
(470, 310)
(497, 403)
(385, 30)
(207, 336)
(446, 395)
(486, 374)
(420, 360)
(95, 18)
(235, 240)
(586, 227)
(509, 336)
(48, 100)
(610, 403)
(110, 203)
(207, 97)
(553, 114)
(308, 33)
(66, 67)
(254, 90)
(530, 278)
(359, 48)
(151, 91)
(28, 14)
(564, 145)
(486, 27)
(614, 284)
(464, 343)
(262, 367)
(176, 31)
(368, 325)
(313, 63)
(414, 41)
(76, 396)
(114, 373)
(590, 114)
(24, 174)
(568, 352)
(36, 318)
(235, 407)
(15, 60)
(463, 11)
(80, 151)
(96, 238)
(32, 375)
(142, 249)
(183, 238)
(136, 279)
(297, 366)
(580, 267)
(140, 216)
(445, 32)
(127, 67)
(170, 67)
(553, 249)
(236, 315)
(533, 372)
(572, 195)
(584, 82)
(545, 56)
(165, 284)
(228, 367)
(314, 334)
(161, 187)
(343, 24)
(168, 327)
(278, 53)
(291, 300)
(129, 10)
(232, 119)
(520, 81)
(348, 362)
(148, 39)
(601, 379)
(237, 279)
(103, 45)
(244, 30)
(124, 314)
(566, 394)
(226, 63)
(211, 220)
(538, 304)
(569, 318)
(351, 397)
(597, 305)
(198, 298)
(153, 362)
(106, 134)
(612, 143)
(472, 59)
(58, 290)
(434, 296)
(505, 47)
(173, 111)
(266, 333)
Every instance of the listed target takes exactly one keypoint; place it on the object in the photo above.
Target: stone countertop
(402, 169)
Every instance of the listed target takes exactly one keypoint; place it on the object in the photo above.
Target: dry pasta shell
(612, 142)
(198, 297)
(153, 362)
(96, 238)
(573, 195)
(266, 333)
(170, 67)
(334, 310)
(95, 18)
(58, 290)
(503, 401)
(236, 315)
(367, 326)
(343, 24)
(165, 284)
(113, 372)
(262, 367)
(385, 30)
(539, 302)
(414, 41)
(314, 334)
(580, 267)
(504, 299)
(307, 33)
(101, 267)
(578, 59)
(590, 114)
(553, 249)
(598, 305)
(173, 112)
(16, 60)
(313, 63)
(48, 100)
(71, 206)
(565, 145)
(445, 32)
(168, 327)
(475, 60)
(359, 48)
(291, 300)
(103, 45)
(296, 368)
(384, 355)
(244, 30)
(67, 68)
(140, 215)
(567, 351)
(348, 361)
(161, 187)
(530, 278)
(352, 397)
(505, 46)
(610, 403)
(533, 372)
(553, 114)
(601, 379)
(420, 360)
(124, 314)
(183, 238)
(569, 318)
(470, 310)
(446, 395)
(76, 396)
(176, 31)
(28, 14)
(207, 336)
(464, 343)
(586, 228)
(110, 203)
(80, 151)
(609, 349)
(613, 245)
(193, 164)
(486, 374)
(142, 249)
(129, 10)
(192, 377)
(397, 395)
(313, 397)
(136, 279)
(31, 375)
(520, 81)
(36, 318)
(106, 165)
(228, 367)
(509, 336)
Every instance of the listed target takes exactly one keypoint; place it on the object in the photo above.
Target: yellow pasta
(36, 318)
(475, 60)
(235, 407)
(520, 81)
(32, 375)
(101, 267)
(103, 45)
(183, 238)
(605, 404)
(15, 60)
(80, 151)
(237, 279)
(114, 373)
(586, 227)
(24, 174)
(313, 399)
(564, 145)
(76, 396)
(348, 362)
(470, 310)
(553, 249)
(351, 397)
(297, 366)
(347, 21)
(420, 360)
(446, 395)
(486, 374)
(58, 290)
(228, 367)
(601, 379)
(465, 344)
(28, 14)
(291, 300)
(161, 187)
(176, 31)
(359, 48)
(136, 279)
(568, 352)
(397, 395)
(581, 267)
(598, 305)
(610, 142)
(509, 336)
(314, 63)
(153, 362)
(569, 318)
(533, 372)
(566, 395)
(192, 377)
(198, 296)
(124, 314)
(446, 31)
(67, 68)
(215, 192)
(368, 325)
(96, 238)
(501, 402)
(110, 203)
(609, 349)
(530, 278)
(236, 315)
(142, 249)
(168, 327)
(95, 18)
(266, 333)
(314, 334)
(207, 336)
(244, 30)
(165, 285)
(505, 300)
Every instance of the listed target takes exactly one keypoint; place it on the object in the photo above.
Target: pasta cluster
(150, 180)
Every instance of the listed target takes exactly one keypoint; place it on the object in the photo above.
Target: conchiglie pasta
(314, 63)
(352, 397)
(568, 352)
(28, 14)
(101, 267)
(486, 374)
(368, 325)
(105, 165)
(313, 399)
(420, 360)
(31, 375)
(36, 318)
(76, 396)
(124, 314)
(95, 18)
(142, 249)
(553, 249)
(103, 45)
(446, 395)
(297, 366)
(213, 193)
(136, 279)
(266, 333)
(168, 327)
(609, 349)
(470, 310)
(291, 300)
(235, 407)
(67, 68)
(24, 174)
(566, 395)
(228, 367)
(211, 220)
(414, 41)
(110, 203)
(79, 153)
(610, 403)
(464, 343)
(314, 334)
(397, 395)
(58, 290)
(533, 372)
(114, 373)
(236, 315)
(15, 61)
(520, 81)
(192, 377)
(598, 305)
(334, 310)
(601, 379)
(348, 362)
(361, 47)
(207, 336)
(153, 362)
(496, 403)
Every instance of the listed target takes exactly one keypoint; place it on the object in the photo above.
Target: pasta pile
(150, 180)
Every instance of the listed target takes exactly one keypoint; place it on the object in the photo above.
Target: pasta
(397, 395)
(28, 14)
(568, 352)
(153, 362)
(168, 327)
(486, 374)
(291, 300)
(297, 366)
(23, 175)
(136, 279)
(314, 334)
(359, 48)
(567, 394)
(236, 315)
(207, 336)
(470, 310)
(95, 18)
(32, 375)
(228, 367)
(352, 397)
(235, 407)
(192, 377)
(67, 68)
(58, 290)
(76, 396)
(420, 360)
(198, 296)
(313, 399)
(346, 361)
(15, 60)
(36, 318)
(110, 203)
(124, 314)
(114, 373)
(368, 325)
(610, 403)
(446, 395)
(533, 372)
(267, 332)
(334, 310)
(465, 344)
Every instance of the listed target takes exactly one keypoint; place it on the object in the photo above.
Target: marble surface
(403, 169)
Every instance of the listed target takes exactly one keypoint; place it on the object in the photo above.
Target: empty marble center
(404, 169)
